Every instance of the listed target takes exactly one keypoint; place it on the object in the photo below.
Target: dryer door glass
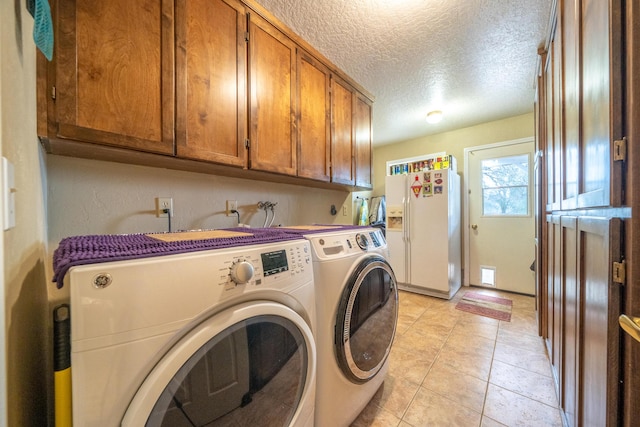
(253, 373)
(366, 322)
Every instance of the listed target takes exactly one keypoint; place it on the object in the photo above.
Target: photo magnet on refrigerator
(416, 186)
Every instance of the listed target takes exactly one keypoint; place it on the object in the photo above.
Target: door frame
(465, 221)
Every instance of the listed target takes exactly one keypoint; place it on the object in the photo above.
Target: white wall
(24, 248)
(97, 197)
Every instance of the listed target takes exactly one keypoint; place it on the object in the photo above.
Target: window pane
(505, 201)
(505, 186)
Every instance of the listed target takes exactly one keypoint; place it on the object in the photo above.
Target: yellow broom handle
(62, 365)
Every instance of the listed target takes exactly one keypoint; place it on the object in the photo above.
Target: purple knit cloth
(94, 249)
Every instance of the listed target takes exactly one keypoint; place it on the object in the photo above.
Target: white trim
(465, 224)
(415, 158)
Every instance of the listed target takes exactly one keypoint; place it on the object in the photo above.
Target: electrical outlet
(232, 205)
(163, 203)
(344, 211)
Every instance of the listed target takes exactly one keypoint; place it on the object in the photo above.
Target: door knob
(630, 325)
(474, 226)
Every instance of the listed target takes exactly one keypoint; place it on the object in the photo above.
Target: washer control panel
(120, 299)
(288, 262)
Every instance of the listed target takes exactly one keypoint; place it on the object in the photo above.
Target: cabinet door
(211, 121)
(362, 130)
(601, 98)
(272, 64)
(570, 320)
(114, 73)
(600, 300)
(314, 120)
(551, 155)
(342, 138)
(555, 299)
(570, 12)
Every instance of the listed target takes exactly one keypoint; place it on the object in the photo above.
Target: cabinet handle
(474, 226)
(630, 325)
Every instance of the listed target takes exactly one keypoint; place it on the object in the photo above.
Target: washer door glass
(366, 322)
(253, 373)
(233, 369)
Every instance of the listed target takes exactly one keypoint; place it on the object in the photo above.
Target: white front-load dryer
(357, 310)
(207, 338)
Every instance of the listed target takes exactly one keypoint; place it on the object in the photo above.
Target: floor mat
(485, 305)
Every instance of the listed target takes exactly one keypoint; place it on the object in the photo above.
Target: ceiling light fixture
(434, 116)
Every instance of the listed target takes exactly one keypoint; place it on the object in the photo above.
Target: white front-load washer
(357, 310)
(212, 337)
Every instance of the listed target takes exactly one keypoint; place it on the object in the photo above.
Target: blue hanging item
(364, 213)
(42, 26)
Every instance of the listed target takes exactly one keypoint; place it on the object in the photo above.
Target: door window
(252, 373)
(505, 186)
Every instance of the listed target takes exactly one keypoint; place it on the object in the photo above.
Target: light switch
(8, 195)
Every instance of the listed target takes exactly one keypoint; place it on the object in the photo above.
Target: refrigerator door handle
(404, 222)
(407, 238)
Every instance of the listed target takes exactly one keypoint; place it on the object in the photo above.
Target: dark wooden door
(631, 305)
(599, 245)
(114, 73)
(211, 121)
(570, 319)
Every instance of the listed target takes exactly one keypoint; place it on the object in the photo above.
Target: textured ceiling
(473, 59)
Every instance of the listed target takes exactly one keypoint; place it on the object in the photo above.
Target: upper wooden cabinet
(211, 96)
(314, 118)
(272, 84)
(350, 135)
(342, 132)
(362, 127)
(213, 86)
(112, 77)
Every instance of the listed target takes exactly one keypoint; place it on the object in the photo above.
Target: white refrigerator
(423, 231)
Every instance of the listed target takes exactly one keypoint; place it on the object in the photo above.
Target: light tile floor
(452, 368)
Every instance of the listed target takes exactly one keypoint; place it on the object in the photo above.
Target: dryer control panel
(335, 245)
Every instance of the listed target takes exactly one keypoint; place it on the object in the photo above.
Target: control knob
(362, 241)
(241, 272)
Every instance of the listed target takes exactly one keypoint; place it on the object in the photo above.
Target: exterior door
(366, 320)
(253, 364)
(500, 229)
